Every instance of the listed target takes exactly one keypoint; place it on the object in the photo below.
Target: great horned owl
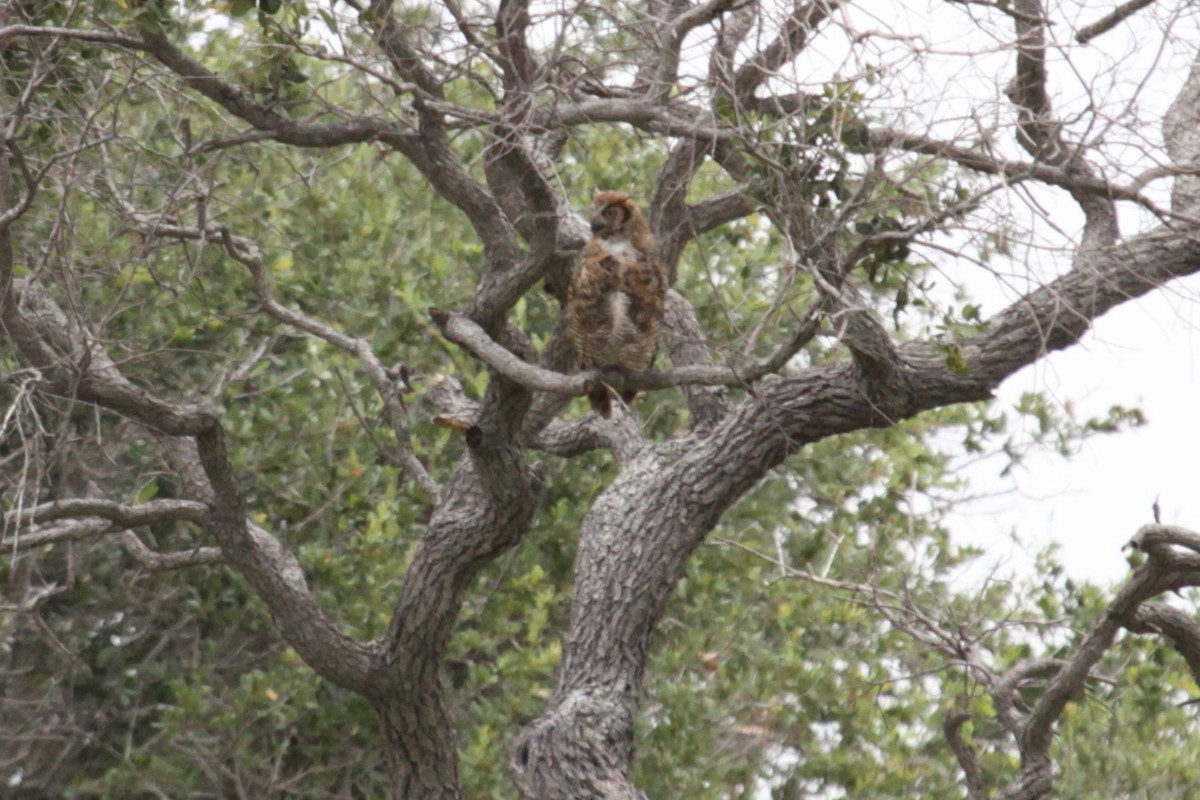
(616, 296)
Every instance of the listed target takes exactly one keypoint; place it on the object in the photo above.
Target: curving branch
(790, 42)
(486, 508)
(1178, 626)
(155, 561)
(517, 63)
(1004, 688)
(1078, 183)
(1041, 134)
(952, 728)
(387, 385)
(77, 366)
(1164, 570)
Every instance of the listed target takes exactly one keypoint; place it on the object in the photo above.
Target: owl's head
(614, 215)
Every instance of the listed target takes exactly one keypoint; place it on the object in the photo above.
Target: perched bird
(615, 300)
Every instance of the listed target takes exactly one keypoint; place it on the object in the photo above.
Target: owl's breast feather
(620, 249)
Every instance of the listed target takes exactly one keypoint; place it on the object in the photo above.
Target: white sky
(1147, 354)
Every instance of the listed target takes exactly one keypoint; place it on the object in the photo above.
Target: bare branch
(952, 724)
(1153, 577)
(158, 562)
(687, 347)
(395, 41)
(859, 328)
(1159, 538)
(387, 386)
(124, 515)
(95, 37)
(236, 101)
(1181, 628)
(1111, 20)
(668, 206)
(66, 531)
(276, 575)
(1078, 183)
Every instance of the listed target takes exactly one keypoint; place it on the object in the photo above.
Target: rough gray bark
(641, 532)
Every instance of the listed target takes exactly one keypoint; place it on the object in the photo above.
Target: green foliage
(772, 672)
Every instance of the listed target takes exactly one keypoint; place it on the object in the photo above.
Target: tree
(168, 168)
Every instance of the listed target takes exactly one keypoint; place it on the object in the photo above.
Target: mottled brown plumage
(616, 296)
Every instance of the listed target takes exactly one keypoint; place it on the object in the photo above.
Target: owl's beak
(597, 227)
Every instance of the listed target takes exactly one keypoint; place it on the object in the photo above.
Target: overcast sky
(1144, 353)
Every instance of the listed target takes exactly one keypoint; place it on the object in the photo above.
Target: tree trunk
(422, 759)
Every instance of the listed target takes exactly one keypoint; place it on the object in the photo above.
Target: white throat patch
(619, 248)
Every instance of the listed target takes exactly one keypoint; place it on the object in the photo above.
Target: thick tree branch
(668, 205)
(73, 530)
(1181, 134)
(1041, 134)
(395, 42)
(237, 102)
(1004, 689)
(77, 366)
(80, 368)
(1110, 20)
(1178, 626)
(792, 38)
(428, 149)
(688, 347)
(517, 64)
(859, 328)
(275, 574)
(1162, 571)
(487, 507)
